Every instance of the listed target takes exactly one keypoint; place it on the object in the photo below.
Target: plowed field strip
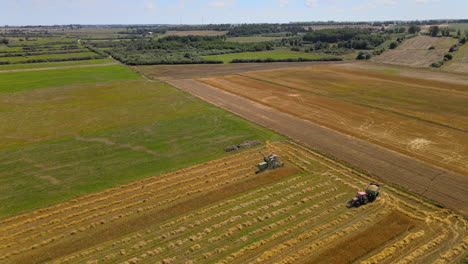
(354, 120)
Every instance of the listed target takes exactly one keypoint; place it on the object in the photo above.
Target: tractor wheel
(357, 204)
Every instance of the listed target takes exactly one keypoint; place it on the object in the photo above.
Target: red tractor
(371, 193)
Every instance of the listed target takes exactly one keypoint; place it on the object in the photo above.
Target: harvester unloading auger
(269, 163)
(371, 193)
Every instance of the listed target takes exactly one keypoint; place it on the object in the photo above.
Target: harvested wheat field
(422, 119)
(221, 212)
(416, 51)
(459, 62)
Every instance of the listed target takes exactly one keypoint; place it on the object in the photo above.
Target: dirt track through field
(444, 187)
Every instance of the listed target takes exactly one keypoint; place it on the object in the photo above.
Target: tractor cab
(368, 196)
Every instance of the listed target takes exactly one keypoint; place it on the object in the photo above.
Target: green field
(48, 56)
(253, 39)
(23, 66)
(61, 142)
(17, 81)
(274, 54)
(461, 26)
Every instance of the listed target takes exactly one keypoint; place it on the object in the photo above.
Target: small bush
(393, 45)
(448, 56)
(431, 47)
(437, 64)
(363, 55)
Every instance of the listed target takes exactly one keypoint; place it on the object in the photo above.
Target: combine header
(371, 193)
(269, 163)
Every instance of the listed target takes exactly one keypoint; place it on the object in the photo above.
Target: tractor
(371, 193)
(269, 163)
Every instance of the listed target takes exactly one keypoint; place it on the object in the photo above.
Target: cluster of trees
(55, 59)
(350, 38)
(176, 49)
(11, 54)
(285, 60)
(414, 29)
(435, 30)
(257, 29)
(392, 30)
(448, 56)
(4, 41)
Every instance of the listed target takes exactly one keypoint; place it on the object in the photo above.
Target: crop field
(23, 80)
(459, 62)
(58, 64)
(64, 141)
(422, 119)
(221, 212)
(415, 51)
(48, 56)
(273, 54)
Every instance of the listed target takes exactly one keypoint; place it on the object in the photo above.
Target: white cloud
(282, 3)
(311, 3)
(150, 6)
(376, 3)
(425, 1)
(386, 2)
(222, 3)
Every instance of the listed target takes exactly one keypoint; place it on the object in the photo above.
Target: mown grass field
(60, 142)
(24, 66)
(274, 54)
(17, 81)
(48, 56)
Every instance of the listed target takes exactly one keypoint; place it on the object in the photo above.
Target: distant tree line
(257, 29)
(285, 60)
(351, 38)
(175, 49)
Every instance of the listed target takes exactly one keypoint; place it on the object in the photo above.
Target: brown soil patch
(448, 148)
(356, 246)
(399, 70)
(171, 72)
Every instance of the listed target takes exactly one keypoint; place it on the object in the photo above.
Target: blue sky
(50, 12)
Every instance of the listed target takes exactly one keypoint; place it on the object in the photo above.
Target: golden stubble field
(296, 214)
(424, 119)
(415, 51)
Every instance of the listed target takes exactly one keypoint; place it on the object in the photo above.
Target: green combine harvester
(269, 163)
